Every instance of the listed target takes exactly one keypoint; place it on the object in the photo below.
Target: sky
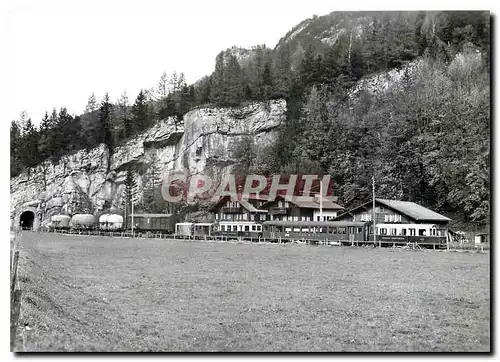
(57, 54)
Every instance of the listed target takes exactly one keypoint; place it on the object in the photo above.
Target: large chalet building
(392, 212)
(314, 210)
(258, 209)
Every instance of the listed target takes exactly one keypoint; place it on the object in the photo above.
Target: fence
(15, 298)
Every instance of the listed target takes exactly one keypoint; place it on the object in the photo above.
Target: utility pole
(321, 200)
(132, 215)
(126, 221)
(373, 212)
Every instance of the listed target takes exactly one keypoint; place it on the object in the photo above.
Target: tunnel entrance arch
(27, 220)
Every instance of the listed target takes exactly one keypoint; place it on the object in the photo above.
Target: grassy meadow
(111, 294)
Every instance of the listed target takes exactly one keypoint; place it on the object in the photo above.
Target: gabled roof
(408, 208)
(249, 206)
(328, 203)
(314, 204)
(413, 210)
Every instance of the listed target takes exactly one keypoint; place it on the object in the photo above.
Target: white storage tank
(83, 221)
(110, 222)
(60, 221)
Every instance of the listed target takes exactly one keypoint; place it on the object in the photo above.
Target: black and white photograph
(264, 176)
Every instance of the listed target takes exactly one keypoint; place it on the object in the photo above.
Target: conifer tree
(105, 135)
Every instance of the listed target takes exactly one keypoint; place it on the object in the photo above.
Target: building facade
(314, 210)
(391, 214)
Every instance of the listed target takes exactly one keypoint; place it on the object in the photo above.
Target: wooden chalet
(241, 210)
(395, 212)
(283, 210)
(258, 209)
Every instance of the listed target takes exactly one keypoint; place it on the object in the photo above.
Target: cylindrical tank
(60, 221)
(82, 221)
(110, 222)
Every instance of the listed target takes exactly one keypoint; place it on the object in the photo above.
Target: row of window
(392, 218)
(256, 228)
(236, 204)
(291, 218)
(251, 217)
(410, 232)
(325, 218)
(236, 217)
(387, 218)
(283, 204)
(366, 217)
(232, 204)
(319, 229)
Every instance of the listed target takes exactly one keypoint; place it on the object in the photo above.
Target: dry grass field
(111, 294)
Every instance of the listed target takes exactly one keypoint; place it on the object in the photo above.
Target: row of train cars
(338, 232)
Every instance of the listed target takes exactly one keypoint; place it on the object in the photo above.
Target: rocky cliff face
(95, 177)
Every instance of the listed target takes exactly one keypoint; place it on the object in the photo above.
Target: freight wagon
(163, 223)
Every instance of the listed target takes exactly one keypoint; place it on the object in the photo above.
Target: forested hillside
(425, 137)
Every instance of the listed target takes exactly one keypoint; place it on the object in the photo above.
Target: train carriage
(403, 234)
(329, 231)
(162, 223)
(237, 229)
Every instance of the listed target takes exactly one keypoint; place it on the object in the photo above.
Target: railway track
(224, 238)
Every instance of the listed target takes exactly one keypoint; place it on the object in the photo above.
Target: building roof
(328, 202)
(250, 207)
(408, 208)
(314, 204)
(413, 210)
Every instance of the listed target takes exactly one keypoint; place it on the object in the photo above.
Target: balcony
(232, 210)
(278, 211)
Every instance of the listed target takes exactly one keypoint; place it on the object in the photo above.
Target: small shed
(184, 228)
(481, 238)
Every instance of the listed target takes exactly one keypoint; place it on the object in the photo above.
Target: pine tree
(43, 144)
(105, 122)
(15, 143)
(129, 193)
(28, 150)
(91, 104)
(140, 116)
(151, 181)
(217, 95)
(233, 83)
(267, 82)
(306, 68)
(121, 119)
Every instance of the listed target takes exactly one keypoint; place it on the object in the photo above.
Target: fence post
(15, 302)
(14, 317)
(14, 273)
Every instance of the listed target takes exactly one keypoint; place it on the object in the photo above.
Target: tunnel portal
(26, 220)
